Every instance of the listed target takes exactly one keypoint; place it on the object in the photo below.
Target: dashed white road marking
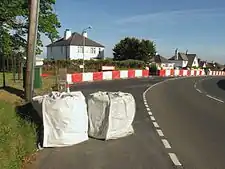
(199, 90)
(174, 159)
(152, 118)
(156, 124)
(160, 133)
(221, 101)
(150, 113)
(166, 143)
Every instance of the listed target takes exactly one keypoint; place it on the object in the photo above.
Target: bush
(92, 65)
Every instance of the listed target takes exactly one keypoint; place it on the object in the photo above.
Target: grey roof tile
(76, 39)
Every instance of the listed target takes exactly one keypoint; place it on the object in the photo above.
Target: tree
(14, 14)
(14, 21)
(133, 48)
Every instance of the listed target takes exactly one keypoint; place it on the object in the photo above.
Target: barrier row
(189, 73)
(128, 74)
(108, 75)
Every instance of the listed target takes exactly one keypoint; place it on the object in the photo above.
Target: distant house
(161, 62)
(214, 66)
(202, 64)
(192, 60)
(71, 47)
(180, 59)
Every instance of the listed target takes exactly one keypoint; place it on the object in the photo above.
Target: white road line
(160, 133)
(156, 124)
(152, 118)
(195, 85)
(166, 143)
(174, 159)
(199, 90)
(221, 101)
(150, 113)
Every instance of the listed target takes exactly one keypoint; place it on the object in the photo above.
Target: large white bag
(110, 115)
(65, 118)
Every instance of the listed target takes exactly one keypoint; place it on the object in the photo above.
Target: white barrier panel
(176, 72)
(138, 73)
(87, 77)
(185, 72)
(124, 74)
(198, 72)
(69, 79)
(107, 76)
(110, 114)
(167, 72)
(192, 72)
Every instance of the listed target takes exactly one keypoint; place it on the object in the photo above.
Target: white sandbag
(110, 115)
(65, 119)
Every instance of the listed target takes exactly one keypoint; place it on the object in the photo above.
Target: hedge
(92, 65)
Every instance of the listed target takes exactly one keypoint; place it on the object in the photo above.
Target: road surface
(143, 150)
(191, 114)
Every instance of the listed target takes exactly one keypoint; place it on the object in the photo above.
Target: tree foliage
(14, 20)
(133, 48)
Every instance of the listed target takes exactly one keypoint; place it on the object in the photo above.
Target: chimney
(176, 54)
(186, 51)
(67, 34)
(85, 34)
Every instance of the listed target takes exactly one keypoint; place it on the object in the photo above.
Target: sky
(194, 25)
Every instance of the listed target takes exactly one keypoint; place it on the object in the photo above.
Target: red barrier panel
(77, 77)
(97, 76)
(162, 72)
(116, 74)
(145, 73)
(131, 73)
(189, 73)
(172, 72)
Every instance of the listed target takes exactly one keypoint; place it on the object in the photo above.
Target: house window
(80, 49)
(93, 50)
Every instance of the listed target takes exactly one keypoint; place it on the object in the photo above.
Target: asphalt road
(214, 86)
(142, 150)
(192, 122)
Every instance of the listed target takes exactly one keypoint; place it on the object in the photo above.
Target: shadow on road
(221, 84)
(28, 113)
(12, 90)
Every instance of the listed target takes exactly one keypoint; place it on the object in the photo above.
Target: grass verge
(18, 134)
(17, 137)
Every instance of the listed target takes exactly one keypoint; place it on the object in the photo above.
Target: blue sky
(196, 25)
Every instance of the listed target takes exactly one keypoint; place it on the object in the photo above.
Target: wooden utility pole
(33, 6)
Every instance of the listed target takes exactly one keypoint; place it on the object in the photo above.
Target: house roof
(191, 58)
(159, 59)
(181, 56)
(201, 63)
(76, 39)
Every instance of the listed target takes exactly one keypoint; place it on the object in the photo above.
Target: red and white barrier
(128, 74)
(108, 75)
(172, 72)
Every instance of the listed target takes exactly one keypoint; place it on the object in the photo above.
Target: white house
(161, 62)
(71, 47)
(192, 60)
(184, 60)
(180, 59)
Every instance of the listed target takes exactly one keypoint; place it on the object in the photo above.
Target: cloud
(170, 16)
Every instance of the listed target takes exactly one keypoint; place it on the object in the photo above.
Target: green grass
(17, 137)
